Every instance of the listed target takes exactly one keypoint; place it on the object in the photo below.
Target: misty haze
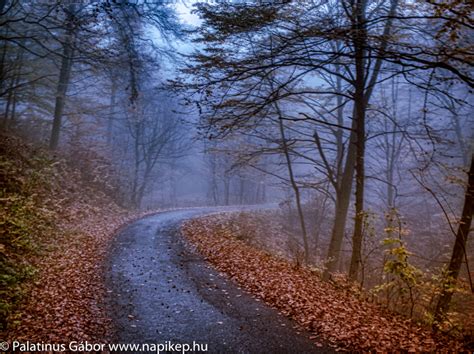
(236, 176)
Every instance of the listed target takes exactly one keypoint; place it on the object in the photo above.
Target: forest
(325, 143)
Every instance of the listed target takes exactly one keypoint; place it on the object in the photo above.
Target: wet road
(160, 290)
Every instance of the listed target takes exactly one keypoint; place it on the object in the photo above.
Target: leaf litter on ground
(332, 312)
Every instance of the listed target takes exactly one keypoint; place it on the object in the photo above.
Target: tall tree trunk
(460, 137)
(3, 60)
(339, 134)
(459, 250)
(142, 187)
(291, 175)
(343, 198)
(294, 185)
(63, 83)
(212, 193)
(359, 199)
(359, 103)
(226, 189)
(241, 190)
(110, 121)
(15, 85)
(10, 106)
(8, 103)
(137, 165)
(344, 175)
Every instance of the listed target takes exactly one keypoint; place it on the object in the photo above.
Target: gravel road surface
(161, 291)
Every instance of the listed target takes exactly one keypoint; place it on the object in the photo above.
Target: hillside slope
(331, 311)
(54, 230)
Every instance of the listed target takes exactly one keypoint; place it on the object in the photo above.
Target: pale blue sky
(184, 8)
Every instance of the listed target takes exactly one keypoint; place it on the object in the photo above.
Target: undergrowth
(24, 220)
(41, 195)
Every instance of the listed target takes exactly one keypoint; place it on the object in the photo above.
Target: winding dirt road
(160, 290)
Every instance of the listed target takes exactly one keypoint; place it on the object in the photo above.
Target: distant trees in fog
(87, 76)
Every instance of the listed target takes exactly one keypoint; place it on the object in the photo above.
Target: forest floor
(56, 230)
(332, 312)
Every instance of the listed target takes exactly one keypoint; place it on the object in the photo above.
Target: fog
(360, 129)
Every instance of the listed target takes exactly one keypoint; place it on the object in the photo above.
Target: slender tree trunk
(359, 200)
(363, 91)
(212, 193)
(8, 103)
(459, 250)
(15, 85)
(14, 102)
(344, 175)
(294, 185)
(344, 194)
(320, 214)
(359, 103)
(257, 194)
(63, 82)
(3, 60)
(291, 175)
(142, 187)
(241, 190)
(10, 106)
(110, 121)
(173, 185)
(226, 189)
(13, 82)
(460, 137)
(343, 198)
(339, 134)
(136, 172)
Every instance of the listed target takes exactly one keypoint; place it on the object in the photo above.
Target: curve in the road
(160, 290)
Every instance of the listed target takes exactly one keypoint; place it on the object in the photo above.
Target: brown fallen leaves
(65, 226)
(65, 303)
(335, 314)
(65, 300)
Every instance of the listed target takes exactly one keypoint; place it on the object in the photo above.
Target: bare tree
(459, 250)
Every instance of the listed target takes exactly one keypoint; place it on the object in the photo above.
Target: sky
(184, 8)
